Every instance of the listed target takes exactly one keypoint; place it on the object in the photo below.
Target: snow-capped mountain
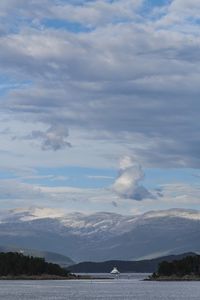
(102, 236)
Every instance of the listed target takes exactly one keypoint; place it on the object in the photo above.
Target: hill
(143, 266)
(16, 264)
(187, 268)
(50, 257)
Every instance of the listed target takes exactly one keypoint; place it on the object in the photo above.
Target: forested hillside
(17, 264)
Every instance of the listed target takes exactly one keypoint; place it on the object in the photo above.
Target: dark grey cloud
(114, 204)
(54, 138)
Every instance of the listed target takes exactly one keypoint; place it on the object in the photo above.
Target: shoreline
(49, 277)
(174, 278)
(41, 277)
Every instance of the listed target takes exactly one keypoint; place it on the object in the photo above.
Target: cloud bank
(105, 68)
(84, 82)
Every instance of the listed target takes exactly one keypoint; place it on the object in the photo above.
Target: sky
(100, 105)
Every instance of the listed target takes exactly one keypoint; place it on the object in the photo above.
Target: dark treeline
(187, 266)
(17, 264)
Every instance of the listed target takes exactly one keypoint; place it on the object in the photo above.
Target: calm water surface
(132, 288)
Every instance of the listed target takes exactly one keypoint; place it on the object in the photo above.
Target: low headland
(186, 269)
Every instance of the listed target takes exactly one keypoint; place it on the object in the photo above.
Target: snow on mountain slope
(102, 236)
(75, 222)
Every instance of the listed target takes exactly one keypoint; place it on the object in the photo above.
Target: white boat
(115, 271)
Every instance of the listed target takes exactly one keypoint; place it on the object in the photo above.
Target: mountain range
(103, 236)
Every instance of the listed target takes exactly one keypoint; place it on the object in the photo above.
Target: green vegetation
(16, 264)
(50, 257)
(187, 268)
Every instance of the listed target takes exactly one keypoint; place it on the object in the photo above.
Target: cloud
(184, 9)
(13, 190)
(114, 204)
(137, 91)
(34, 213)
(97, 13)
(127, 185)
(54, 138)
(15, 194)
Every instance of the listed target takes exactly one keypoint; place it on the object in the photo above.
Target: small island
(186, 269)
(18, 266)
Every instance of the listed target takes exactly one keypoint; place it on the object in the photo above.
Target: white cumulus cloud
(127, 184)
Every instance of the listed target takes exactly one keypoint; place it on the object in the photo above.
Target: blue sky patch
(65, 25)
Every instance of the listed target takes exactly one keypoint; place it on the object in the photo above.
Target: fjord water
(122, 289)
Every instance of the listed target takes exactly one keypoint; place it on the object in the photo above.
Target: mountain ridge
(141, 266)
(103, 236)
